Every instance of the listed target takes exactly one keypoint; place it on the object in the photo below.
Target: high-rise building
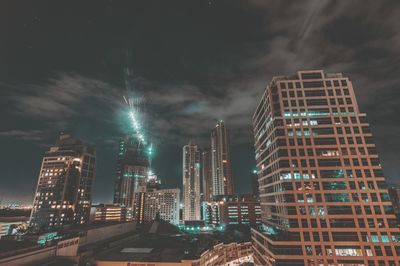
(232, 210)
(207, 176)
(221, 160)
(191, 182)
(150, 203)
(132, 169)
(63, 193)
(323, 195)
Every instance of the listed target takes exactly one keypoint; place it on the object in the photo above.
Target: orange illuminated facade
(323, 195)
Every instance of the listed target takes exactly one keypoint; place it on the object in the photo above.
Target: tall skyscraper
(323, 194)
(191, 182)
(221, 160)
(207, 176)
(153, 202)
(63, 193)
(132, 169)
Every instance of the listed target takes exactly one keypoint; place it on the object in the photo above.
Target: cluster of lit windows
(345, 252)
(299, 133)
(296, 176)
(314, 113)
(303, 123)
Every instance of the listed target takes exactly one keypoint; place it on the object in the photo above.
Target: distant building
(211, 213)
(239, 209)
(221, 161)
(63, 193)
(132, 169)
(191, 182)
(110, 213)
(207, 176)
(153, 183)
(150, 204)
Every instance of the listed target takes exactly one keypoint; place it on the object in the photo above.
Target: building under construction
(133, 166)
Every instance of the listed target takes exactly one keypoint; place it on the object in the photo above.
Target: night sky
(63, 68)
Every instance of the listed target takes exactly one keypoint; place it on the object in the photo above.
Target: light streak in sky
(134, 101)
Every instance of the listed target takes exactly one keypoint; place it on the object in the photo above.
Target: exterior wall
(191, 182)
(68, 247)
(323, 195)
(221, 161)
(104, 232)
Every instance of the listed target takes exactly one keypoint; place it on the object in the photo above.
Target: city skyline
(63, 75)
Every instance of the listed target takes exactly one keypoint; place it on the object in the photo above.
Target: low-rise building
(163, 245)
(110, 213)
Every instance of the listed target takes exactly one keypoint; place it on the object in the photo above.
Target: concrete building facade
(110, 213)
(221, 161)
(132, 169)
(163, 203)
(191, 182)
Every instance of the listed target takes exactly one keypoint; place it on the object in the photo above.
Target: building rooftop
(10, 247)
(151, 248)
(159, 241)
(161, 227)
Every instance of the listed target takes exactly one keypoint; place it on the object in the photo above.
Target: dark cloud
(30, 135)
(192, 63)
